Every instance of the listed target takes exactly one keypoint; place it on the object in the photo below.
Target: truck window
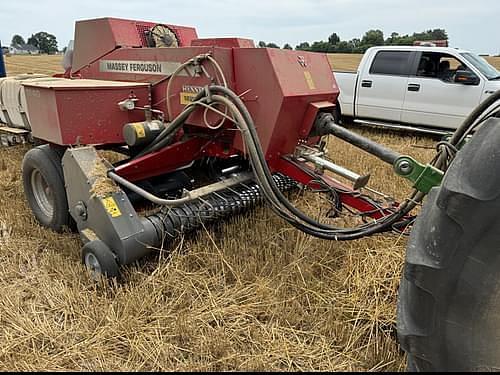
(396, 63)
(439, 66)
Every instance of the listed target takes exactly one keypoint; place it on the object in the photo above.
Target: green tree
(392, 39)
(344, 47)
(439, 34)
(355, 42)
(272, 45)
(400, 40)
(45, 42)
(373, 38)
(436, 34)
(17, 40)
(304, 46)
(322, 46)
(262, 44)
(334, 39)
(287, 46)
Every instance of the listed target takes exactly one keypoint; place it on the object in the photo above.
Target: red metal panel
(282, 84)
(98, 37)
(279, 87)
(81, 113)
(169, 159)
(181, 83)
(311, 113)
(93, 39)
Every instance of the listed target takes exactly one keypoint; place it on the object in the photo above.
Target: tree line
(47, 43)
(370, 39)
(43, 41)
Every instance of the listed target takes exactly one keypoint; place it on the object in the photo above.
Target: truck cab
(424, 86)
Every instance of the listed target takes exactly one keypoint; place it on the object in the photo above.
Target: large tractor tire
(43, 181)
(449, 297)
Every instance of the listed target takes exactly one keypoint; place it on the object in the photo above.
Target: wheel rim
(93, 264)
(43, 193)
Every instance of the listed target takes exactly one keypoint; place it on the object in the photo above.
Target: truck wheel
(337, 114)
(99, 260)
(44, 189)
(449, 297)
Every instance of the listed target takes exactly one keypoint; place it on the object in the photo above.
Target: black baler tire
(449, 296)
(47, 161)
(108, 264)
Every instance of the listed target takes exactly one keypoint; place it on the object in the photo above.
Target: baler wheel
(449, 297)
(99, 259)
(44, 189)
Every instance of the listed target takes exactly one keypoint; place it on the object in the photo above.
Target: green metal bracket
(424, 177)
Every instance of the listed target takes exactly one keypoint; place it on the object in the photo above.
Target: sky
(471, 25)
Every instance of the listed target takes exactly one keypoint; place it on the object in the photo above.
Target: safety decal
(187, 97)
(111, 206)
(309, 80)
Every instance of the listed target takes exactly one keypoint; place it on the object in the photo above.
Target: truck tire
(44, 189)
(449, 296)
(337, 114)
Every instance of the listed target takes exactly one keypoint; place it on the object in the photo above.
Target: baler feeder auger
(209, 128)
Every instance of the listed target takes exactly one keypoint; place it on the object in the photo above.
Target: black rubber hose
(166, 135)
(327, 230)
(318, 229)
(466, 125)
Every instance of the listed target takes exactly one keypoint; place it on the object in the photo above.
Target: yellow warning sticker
(309, 80)
(139, 130)
(111, 206)
(187, 97)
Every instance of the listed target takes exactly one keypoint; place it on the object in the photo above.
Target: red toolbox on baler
(83, 111)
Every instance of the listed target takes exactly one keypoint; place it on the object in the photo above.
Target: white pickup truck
(416, 87)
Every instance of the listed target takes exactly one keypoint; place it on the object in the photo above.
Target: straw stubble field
(253, 294)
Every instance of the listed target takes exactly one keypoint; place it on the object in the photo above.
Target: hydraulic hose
(466, 126)
(279, 203)
(166, 135)
(284, 208)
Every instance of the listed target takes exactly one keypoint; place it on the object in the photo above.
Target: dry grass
(44, 64)
(250, 295)
(344, 61)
